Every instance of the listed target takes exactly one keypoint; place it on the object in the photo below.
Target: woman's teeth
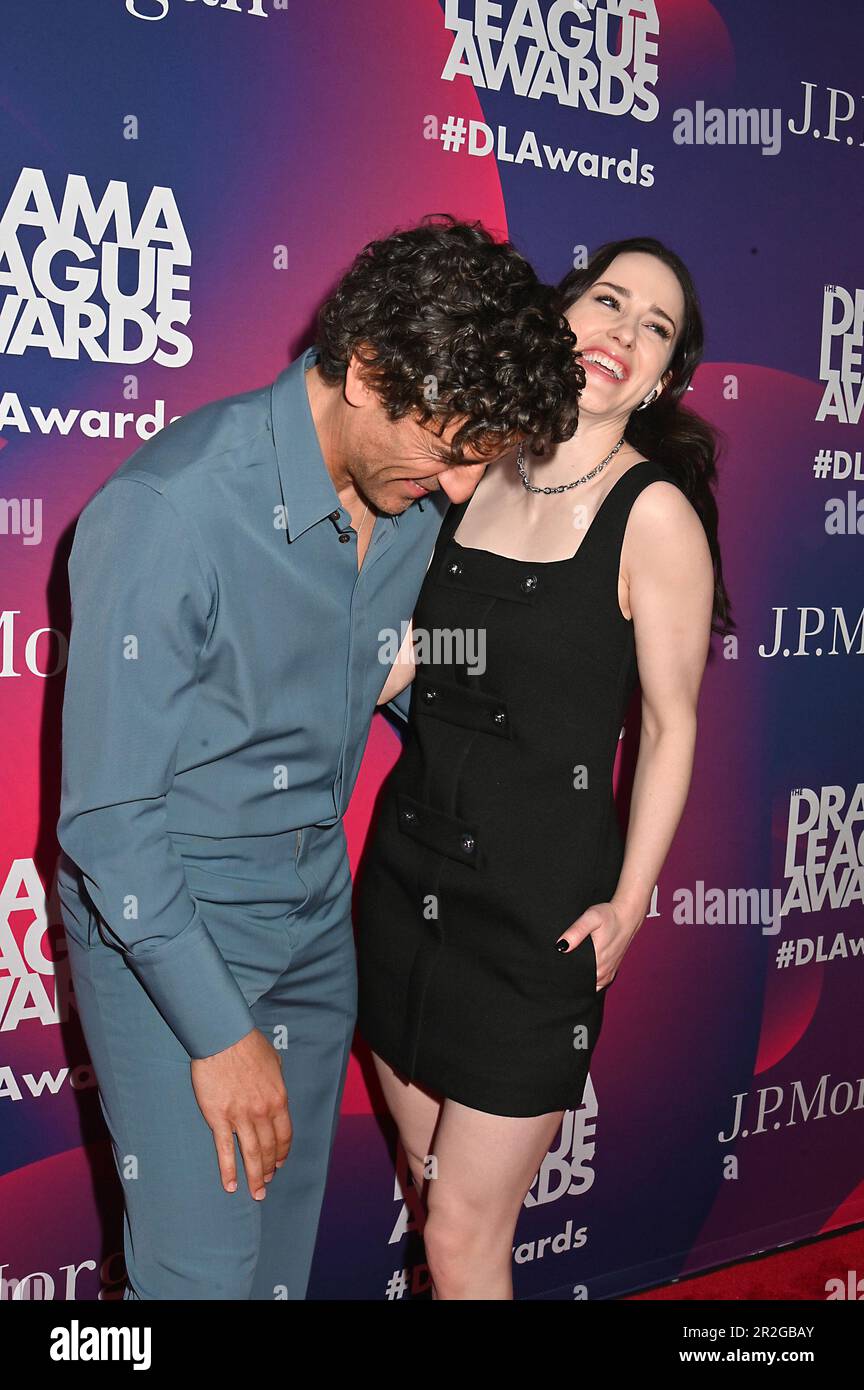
(604, 366)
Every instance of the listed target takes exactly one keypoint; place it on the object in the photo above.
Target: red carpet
(809, 1271)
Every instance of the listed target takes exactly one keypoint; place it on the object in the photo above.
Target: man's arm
(140, 605)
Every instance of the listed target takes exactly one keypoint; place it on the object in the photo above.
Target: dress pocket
(574, 972)
(590, 940)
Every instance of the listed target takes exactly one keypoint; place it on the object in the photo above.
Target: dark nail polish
(562, 944)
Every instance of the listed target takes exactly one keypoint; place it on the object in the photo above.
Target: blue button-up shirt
(221, 632)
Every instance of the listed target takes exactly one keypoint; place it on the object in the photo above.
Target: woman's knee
(457, 1227)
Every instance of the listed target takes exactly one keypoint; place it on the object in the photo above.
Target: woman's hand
(611, 936)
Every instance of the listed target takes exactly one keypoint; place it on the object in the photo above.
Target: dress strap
(624, 492)
(609, 523)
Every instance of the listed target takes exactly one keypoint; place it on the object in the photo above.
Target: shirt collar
(308, 493)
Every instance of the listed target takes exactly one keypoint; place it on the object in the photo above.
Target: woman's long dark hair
(666, 431)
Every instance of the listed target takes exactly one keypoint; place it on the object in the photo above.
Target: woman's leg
(416, 1113)
(484, 1166)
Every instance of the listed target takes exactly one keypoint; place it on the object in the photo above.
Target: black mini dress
(496, 828)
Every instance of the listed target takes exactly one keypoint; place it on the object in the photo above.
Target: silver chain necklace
(565, 487)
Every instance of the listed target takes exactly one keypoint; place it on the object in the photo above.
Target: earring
(647, 400)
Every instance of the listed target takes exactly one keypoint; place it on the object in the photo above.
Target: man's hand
(241, 1090)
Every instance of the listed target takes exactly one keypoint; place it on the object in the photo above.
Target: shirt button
(468, 844)
(409, 817)
(529, 583)
(455, 569)
(334, 516)
(430, 694)
(499, 716)
(344, 538)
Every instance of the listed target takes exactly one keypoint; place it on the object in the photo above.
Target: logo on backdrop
(797, 1103)
(16, 1286)
(33, 986)
(835, 112)
(824, 864)
(158, 9)
(66, 289)
(600, 54)
(807, 623)
(840, 355)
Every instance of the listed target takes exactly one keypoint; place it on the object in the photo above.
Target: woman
(497, 900)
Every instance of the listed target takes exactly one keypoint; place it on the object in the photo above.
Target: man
(229, 583)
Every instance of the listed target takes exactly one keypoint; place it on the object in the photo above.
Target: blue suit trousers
(279, 909)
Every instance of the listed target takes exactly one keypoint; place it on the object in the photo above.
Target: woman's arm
(403, 668)
(666, 562)
(671, 588)
(402, 671)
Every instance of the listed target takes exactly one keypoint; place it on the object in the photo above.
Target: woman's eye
(610, 299)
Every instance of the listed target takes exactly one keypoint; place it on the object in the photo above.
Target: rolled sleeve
(140, 608)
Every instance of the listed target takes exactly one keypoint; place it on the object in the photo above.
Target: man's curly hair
(447, 323)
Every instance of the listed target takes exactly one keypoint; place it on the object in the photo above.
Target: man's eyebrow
(655, 308)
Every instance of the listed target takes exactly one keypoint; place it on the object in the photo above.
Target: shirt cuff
(401, 703)
(194, 991)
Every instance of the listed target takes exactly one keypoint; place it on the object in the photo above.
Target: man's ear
(359, 388)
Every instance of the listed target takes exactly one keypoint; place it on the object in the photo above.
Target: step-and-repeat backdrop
(181, 182)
